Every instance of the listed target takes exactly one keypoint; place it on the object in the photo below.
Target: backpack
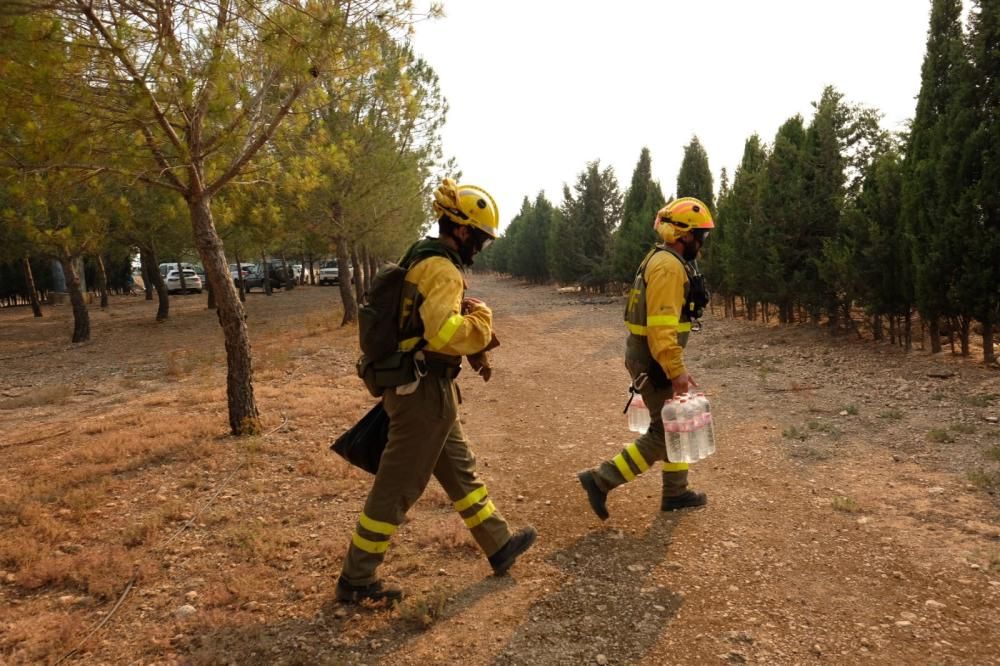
(382, 365)
(378, 317)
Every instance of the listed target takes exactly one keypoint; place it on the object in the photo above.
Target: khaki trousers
(641, 454)
(425, 438)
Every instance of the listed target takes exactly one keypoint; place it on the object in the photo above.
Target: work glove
(480, 361)
(481, 364)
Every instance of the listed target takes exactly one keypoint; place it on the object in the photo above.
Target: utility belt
(403, 369)
(440, 368)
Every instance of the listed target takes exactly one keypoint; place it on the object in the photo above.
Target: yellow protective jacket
(432, 309)
(655, 315)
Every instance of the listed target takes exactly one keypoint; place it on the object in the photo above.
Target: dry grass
(99, 488)
(101, 571)
(448, 534)
(422, 611)
(34, 640)
(845, 504)
(184, 363)
(45, 396)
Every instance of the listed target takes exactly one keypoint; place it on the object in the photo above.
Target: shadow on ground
(609, 606)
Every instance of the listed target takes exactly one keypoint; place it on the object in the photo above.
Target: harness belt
(442, 369)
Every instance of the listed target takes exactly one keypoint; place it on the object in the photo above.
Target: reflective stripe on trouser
(641, 454)
(425, 438)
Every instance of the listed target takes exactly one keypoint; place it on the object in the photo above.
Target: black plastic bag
(363, 444)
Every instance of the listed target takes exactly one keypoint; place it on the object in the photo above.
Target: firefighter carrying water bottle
(666, 295)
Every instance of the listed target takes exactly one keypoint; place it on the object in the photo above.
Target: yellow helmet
(469, 205)
(681, 216)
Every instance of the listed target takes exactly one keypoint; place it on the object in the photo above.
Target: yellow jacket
(440, 289)
(666, 333)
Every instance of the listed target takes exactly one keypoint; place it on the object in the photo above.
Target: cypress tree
(783, 206)
(823, 182)
(980, 285)
(925, 205)
(635, 235)
(695, 178)
(739, 248)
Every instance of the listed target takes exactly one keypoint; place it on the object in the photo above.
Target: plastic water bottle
(671, 429)
(699, 435)
(638, 415)
(686, 453)
(709, 427)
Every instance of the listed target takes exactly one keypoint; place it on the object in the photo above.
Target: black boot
(597, 497)
(503, 559)
(686, 499)
(352, 594)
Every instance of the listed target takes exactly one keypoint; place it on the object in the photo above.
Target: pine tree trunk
(180, 275)
(289, 281)
(358, 273)
(29, 280)
(267, 274)
(935, 331)
(240, 278)
(989, 353)
(147, 276)
(163, 311)
(102, 281)
(346, 293)
(373, 264)
(877, 328)
(81, 316)
(244, 419)
(312, 271)
(965, 323)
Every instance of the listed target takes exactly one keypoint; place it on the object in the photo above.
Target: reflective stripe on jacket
(655, 316)
(432, 309)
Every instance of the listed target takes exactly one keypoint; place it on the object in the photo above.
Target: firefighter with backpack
(666, 295)
(432, 328)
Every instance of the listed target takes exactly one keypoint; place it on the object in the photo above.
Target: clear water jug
(638, 414)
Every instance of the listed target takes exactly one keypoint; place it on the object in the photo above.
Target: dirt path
(848, 518)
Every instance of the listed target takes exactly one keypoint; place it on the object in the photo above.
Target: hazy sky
(538, 88)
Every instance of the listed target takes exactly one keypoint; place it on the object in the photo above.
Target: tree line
(837, 220)
(223, 129)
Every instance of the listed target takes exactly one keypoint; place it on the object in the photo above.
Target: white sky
(537, 88)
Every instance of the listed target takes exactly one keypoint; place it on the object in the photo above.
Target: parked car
(167, 267)
(255, 278)
(329, 273)
(278, 269)
(247, 268)
(191, 281)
